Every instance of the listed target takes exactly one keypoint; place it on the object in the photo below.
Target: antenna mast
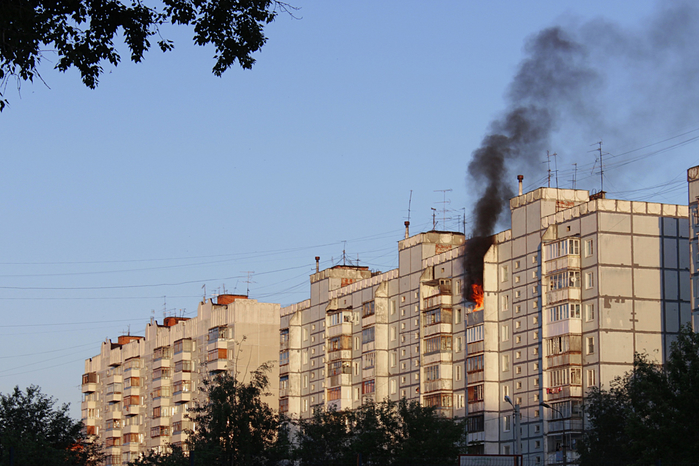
(575, 175)
(601, 167)
(444, 205)
(248, 281)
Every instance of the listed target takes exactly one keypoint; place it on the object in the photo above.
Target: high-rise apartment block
(570, 293)
(137, 391)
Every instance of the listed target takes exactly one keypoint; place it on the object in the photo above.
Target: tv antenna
(601, 162)
(444, 203)
(575, 175)
(434, 218)
(410, 201)
(548, 162)
(248, 281)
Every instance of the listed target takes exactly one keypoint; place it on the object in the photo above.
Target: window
(474, 334)
(339, 367)
(564, 311)
(506, 303)
(393, 333)
(504, 273)
(518, 308)
(432, 373)
(438, 344)
(506, 420)
(458, 372)
(368, 309)
(216, 354)
(437, 316)
(163, 352)
(162, 373)
(505, 332)
(217, 333)
(394, 357)
(590, 345)
(505, 362)
(516, 265)
(184, 366)
(458, 316)
(369, 359)
(518, 324)
(518, 369)
(182, 386)
(459, 346)
(562, 248)
(518, 354)
(518, 278)
(475, 393)
(184, 345)
(474, 364)
(368, 387)
(591, 378)
(475, 423)
(589, 248)
(589, 312)
(334, 393)
(368, 335)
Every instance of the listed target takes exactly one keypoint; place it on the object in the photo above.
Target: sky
(167, 184)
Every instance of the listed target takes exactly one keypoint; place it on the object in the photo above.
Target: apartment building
(693, 180)
(576, 287)
(136, 392)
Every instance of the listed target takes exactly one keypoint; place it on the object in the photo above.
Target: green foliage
(82, 32)
(172, 457)
(40, 434)
(386, 433)
(235, 426)
(648, 415)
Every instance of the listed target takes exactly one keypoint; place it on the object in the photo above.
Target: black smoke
(550, 79)
(562, 94)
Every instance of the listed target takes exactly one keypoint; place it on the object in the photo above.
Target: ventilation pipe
(520, 178)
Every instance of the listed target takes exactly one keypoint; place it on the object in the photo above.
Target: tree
(387, 433)
(34, 431)
(234, 426)
(82, 32)
(648, 415)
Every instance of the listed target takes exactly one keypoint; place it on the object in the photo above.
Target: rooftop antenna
(575, 175)
(204, 288)
(463, 220)
(407, 222)
(444, 205)
(434, 218)
(248, 281)
(344, 252)
(548, 164)
(555, 166)
(601, 163)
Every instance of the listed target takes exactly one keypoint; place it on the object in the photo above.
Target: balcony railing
(560, 263)
(436, 385)
(436, 301)
(564, 359)
(563, 391)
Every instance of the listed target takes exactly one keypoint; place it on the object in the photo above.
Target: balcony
(217, 365)
(133, 410)
(563, 391)
(368, 320)
(113, 397)
(133, 429)
(437, 301)
(158, 363)
(562, 327)
(475, 377)
(182, 397)
(340, 354)
(445, 356)
(561, 263)
(569, 425)
(340, 379)
(564, 294)
(435, 329)
(344, 328)
(118, 378)
(436, 385)
(476, 406)
(89, 384)
(565, 359)
(475, 347)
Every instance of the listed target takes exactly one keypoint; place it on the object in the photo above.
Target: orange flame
(477, 296)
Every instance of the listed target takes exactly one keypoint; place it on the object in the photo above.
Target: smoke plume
(559, 91)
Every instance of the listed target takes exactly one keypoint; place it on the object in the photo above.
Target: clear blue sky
(120, 203)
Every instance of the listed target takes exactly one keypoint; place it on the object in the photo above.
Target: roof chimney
(317, 264)
(407, 229)
(520, 178)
